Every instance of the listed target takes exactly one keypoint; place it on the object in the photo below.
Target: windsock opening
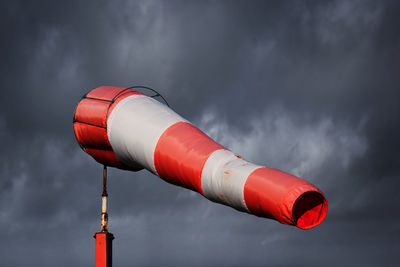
(309, 209)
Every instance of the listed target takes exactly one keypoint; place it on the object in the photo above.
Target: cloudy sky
(309, 87)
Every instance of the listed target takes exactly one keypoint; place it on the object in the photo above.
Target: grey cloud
(308, 87)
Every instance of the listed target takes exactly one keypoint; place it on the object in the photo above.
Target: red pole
(103, 249)
(104, 238)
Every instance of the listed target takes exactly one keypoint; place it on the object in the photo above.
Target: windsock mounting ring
(157, 94)
(91, 121)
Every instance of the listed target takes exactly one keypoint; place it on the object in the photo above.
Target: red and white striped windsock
(123, 128)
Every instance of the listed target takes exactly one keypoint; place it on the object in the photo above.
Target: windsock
(123, 128)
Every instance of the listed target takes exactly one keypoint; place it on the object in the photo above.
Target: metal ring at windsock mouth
(309, 209)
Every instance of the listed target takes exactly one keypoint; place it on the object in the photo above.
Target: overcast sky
(309, 87)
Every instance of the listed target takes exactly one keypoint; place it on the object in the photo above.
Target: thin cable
(148, 88)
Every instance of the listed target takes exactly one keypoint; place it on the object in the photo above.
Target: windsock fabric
(123, 128)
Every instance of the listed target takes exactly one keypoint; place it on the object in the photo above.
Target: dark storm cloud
(309, 87)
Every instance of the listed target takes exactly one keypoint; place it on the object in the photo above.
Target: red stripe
(105, 92)
(92, 111)
(181, 153)
(90, 124)
(91, 136)
(275, 194)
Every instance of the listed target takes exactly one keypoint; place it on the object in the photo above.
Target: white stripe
(134, 127)
(223, 178)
